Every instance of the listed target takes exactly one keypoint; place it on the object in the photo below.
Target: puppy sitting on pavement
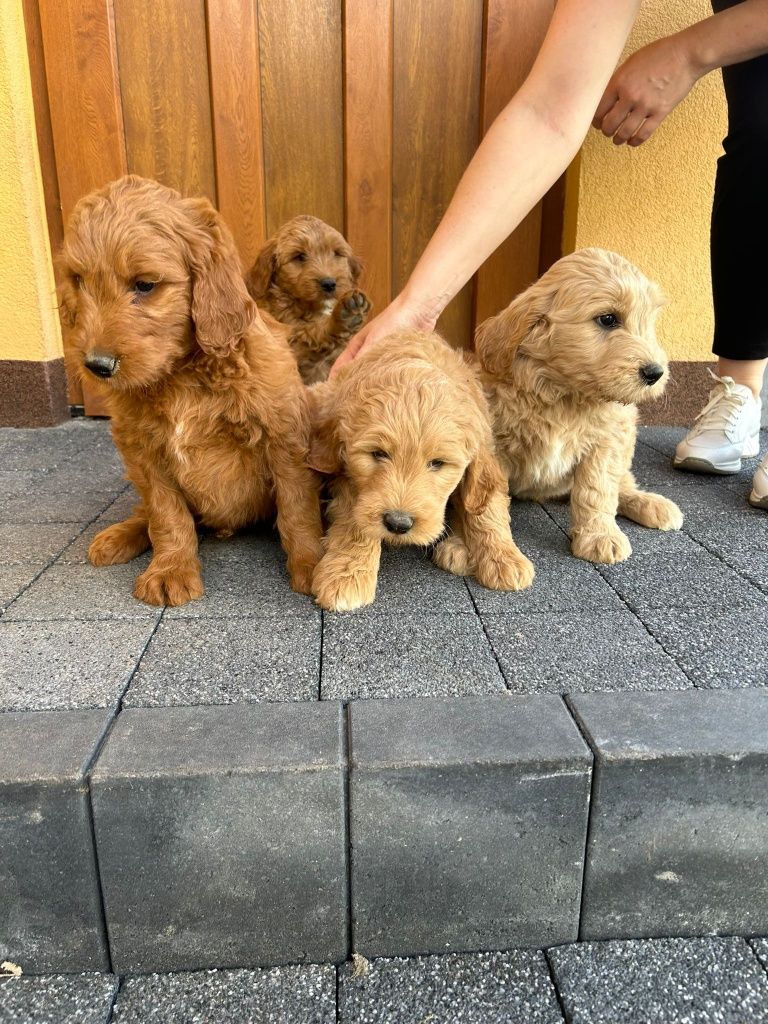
(563, 367)
(403, 430)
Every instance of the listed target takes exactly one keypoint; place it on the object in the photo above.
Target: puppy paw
(452, 555)
(118, 544)
(170, 587)
(657, 512)
(342, 592)
(505, 571)
(301, 576)
(351, 311)
(605, 548)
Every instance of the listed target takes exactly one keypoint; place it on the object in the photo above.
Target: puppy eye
(379, 455)
(435, 464)
(339, 255)
(300, 257)
(77, 280)
(608, 320)
(143, 287)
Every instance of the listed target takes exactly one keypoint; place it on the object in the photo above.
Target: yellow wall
(29, 324)
(652, 204)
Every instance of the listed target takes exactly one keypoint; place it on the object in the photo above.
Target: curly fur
(405, 429)
(208, 410)
(562, 391)
(287, 281)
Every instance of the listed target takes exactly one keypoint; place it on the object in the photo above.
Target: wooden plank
(513, 35)
(301, 90)
(162, 50)
(368, 141)
(233, 53)
(84, 102)
(437, 51)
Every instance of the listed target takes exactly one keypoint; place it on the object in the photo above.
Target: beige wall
(652, 204)
(29, 325)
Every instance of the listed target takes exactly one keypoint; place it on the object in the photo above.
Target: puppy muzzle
(397, 521)
(101, 365)
(651, 373)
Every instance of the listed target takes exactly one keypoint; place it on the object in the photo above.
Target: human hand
(398, 315)
(644, 89)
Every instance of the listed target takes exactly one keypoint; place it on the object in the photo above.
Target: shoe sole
(756, 502)
(692, 465)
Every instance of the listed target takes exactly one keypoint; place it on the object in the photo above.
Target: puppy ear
(355, 267)
(325, 444)
(482, 478)
(498, 338)
(222, 309)
(259, 277)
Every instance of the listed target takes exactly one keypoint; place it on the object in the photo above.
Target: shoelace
(723, 408)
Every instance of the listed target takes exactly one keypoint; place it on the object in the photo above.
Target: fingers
(615, 117)
(610, 97)
(647, 129)
(629, 126)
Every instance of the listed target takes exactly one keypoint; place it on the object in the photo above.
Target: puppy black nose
(397, 522)
(328, 284)
(651, 373)
(101, 365)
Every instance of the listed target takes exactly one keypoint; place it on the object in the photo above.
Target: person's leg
(749, 372)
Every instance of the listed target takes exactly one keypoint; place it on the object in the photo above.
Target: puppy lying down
(404, 433)
(563, 368)
(208, 410)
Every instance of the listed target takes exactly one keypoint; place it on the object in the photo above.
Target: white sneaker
(759, 495)
(726, 430)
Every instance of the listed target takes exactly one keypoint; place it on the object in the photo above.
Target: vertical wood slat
(514, 32)
(233, 53)
(301, 92)
(162, 49)
(84, 99)
(368, 141)
(437, 50)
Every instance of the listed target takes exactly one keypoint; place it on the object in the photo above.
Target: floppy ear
(259, 277)
(498, 338)
(222, 309)
(325, 448)
(482, 478)
(355, 266)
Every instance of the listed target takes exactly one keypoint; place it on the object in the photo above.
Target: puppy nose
(328, 284)
(100, 364)
(651, 373)
(397, 522)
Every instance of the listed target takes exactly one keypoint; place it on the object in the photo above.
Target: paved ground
(688, 609)
(654, 981)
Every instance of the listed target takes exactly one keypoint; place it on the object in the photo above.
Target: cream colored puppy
(564, 366)
(404, 431)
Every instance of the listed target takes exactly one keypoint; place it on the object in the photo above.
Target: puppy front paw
(452, 555)
(172, 587)
(605, 548)
(338, 591)
(504, 570)
(118, 544)
(659, 513)
(351, 312)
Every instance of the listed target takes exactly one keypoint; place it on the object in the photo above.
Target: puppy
(306, 277)
(208, 410)
(404, 429)
(563, 366)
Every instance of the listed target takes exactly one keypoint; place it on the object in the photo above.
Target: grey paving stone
(467, 824)
(721, 648)
(84, 592)
(760, 946)
(668, 981)
(245, 576)
(50, 916)
(678, 831)
(737, 534)
(35, 449)
(481, 988)
(59, 665)
(409, 580)
(580, 651)
(413, 655)
(34, 543)
(662, 439)
(57, 999)
(227, 661)
(66, 507)
(221, 836)
(14, 578)
(284, 995)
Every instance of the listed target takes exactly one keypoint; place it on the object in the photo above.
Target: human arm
(650, 83)
(526, 149)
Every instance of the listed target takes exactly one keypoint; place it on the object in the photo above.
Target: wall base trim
(32, 394)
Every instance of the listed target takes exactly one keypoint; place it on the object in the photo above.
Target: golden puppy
(564, 365)
(404, 429)
(306, 277)
(207, 407)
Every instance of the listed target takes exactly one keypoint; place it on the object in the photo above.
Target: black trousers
(739, 237)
